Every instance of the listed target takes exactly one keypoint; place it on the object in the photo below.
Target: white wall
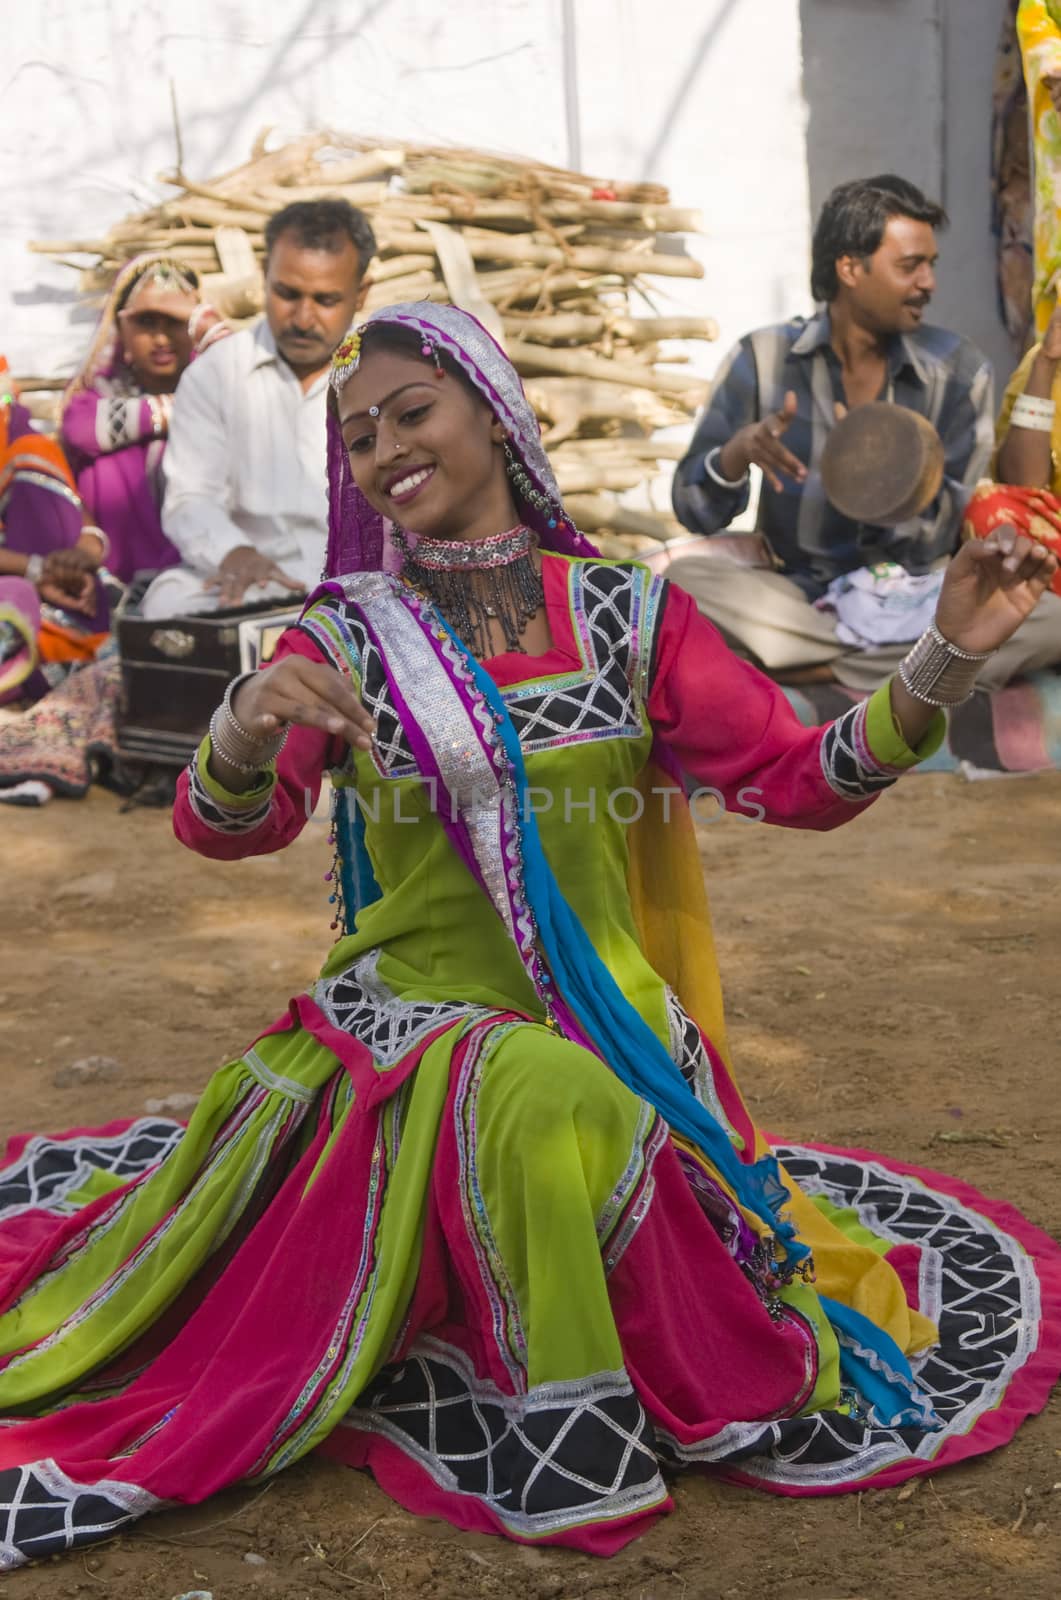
(681, 91)
(687, 95)
(89, 126)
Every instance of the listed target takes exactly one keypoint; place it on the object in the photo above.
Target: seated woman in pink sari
(115, 415)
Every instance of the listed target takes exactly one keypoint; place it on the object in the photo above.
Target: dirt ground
(896, 986)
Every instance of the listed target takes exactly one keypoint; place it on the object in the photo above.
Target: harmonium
(175, 672)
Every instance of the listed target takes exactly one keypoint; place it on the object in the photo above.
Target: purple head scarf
(358, 536)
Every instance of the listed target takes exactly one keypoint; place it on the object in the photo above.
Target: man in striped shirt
(246, 499)
(774, 402)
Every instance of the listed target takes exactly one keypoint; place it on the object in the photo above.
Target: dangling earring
(523, 486)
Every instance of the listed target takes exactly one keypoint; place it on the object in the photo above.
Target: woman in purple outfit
(115, 415)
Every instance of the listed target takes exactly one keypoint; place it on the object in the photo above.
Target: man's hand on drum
(759, 444)
(306, 693)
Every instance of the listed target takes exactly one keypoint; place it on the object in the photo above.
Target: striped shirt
(934, 372)
(246, 459)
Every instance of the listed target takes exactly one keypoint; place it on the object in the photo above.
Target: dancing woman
(484, 1210)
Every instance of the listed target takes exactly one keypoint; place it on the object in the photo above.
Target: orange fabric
(29, 452)
(1034, 512)
(32, 452)
(56, 643)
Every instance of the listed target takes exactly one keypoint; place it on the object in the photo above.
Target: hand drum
(882, 464)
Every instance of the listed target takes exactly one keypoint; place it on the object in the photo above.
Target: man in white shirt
(245, 471)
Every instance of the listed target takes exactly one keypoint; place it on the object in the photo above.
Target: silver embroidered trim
(688, 1053)
(848, 764)
(908, 1221)
(571, 1400)
(46, 1193)
(222, 818)
(466, 770)
(358, 1002)
(276, 1082)
(64, 1496)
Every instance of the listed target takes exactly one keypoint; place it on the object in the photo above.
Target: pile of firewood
(553, 262)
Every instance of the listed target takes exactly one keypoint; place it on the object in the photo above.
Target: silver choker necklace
(474, 582)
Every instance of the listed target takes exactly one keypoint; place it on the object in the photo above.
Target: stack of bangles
(236, 745)
(937, 673)
(1030, 411)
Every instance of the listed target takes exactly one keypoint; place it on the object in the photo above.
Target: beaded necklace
(474, 582)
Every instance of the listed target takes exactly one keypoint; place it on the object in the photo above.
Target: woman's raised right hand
(307, 693)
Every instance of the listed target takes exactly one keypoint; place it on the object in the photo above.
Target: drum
(882, 464)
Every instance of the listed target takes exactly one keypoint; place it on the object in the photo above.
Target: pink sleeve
(732, 730)
(269, 817)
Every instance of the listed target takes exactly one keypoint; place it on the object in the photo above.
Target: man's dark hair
(854, 218)
(323, 225)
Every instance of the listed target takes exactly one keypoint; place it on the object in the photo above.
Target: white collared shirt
(246, 459)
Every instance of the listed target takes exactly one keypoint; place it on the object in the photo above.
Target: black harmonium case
(175, 671)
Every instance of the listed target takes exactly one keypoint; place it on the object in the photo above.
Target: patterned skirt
(458, 1251)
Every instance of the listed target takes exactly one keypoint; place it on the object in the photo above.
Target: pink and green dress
(483, 1211)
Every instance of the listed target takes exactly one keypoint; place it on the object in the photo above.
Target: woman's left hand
(991, 585)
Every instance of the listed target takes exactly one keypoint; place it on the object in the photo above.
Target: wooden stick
(579, 364)
(399, 266)
(642, 330)
(587, 477)
(417, 286)
(354, 169)
(620, 447)
(570, 404)
(564, 327)
(40, 384)
(275, 167)
(368, 196)
(506, 247)
(179, 142)
(192, 208)
(207, 192)
(597, 511)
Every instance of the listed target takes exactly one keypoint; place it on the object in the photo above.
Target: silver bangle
(34, 569)
(937, 673)
(711, 468)
(234, 743)
(98, 533)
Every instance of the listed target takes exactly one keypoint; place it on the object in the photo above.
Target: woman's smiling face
(425, 450)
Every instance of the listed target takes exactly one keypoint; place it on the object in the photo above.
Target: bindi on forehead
(377, 405)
